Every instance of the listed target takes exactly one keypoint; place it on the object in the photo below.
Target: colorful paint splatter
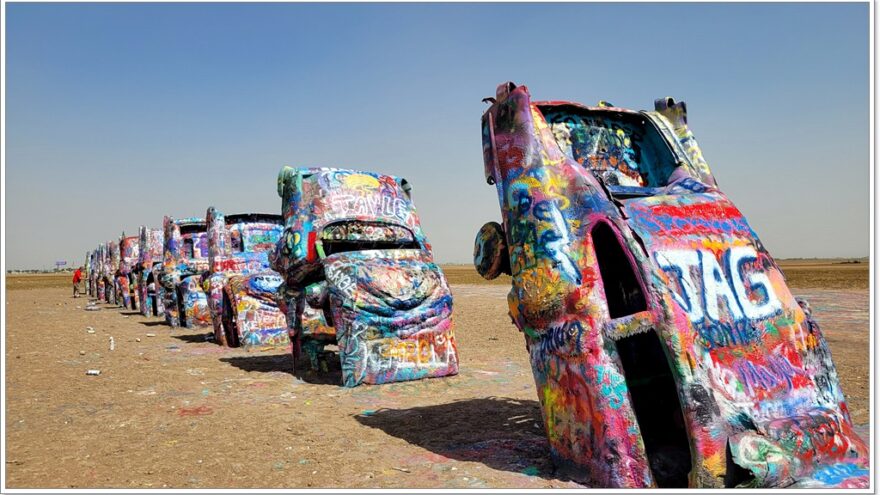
(185, 261)
(241, 287)
(126, 281)
(666, 347)
(147, 270)
(358, 271)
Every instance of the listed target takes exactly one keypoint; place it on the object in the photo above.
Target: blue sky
(117, 114)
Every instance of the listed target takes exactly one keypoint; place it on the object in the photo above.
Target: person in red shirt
(77, 278)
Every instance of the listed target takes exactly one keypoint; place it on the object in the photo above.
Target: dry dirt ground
(172, 410)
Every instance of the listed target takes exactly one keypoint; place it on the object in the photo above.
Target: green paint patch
(531, 471)
(530, 332)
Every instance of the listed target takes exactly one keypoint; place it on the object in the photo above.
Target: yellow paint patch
(361, 182)
(715, 464)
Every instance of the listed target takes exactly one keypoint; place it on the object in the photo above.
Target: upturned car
(125, 276)
(240, 285)
(359, 273)
(666, 348)
(185, 263)
(147, 270)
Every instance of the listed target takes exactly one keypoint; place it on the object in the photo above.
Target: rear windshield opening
(621, 149)
(363, 236)
(192, 229)
(254, 218)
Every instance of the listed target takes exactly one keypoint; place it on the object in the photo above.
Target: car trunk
(392, 312)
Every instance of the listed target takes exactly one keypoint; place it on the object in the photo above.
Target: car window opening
(620, 149)
(623, 293)
(192, 229)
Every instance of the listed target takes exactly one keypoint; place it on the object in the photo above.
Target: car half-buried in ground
(359, 272)
(184, 264)
(666, 348)
(126, 279)
(241, 287)
(147, 271)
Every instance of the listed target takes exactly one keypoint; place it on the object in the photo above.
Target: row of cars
(666, 348)
(347, 264)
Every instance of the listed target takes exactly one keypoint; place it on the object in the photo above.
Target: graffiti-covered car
(125, 276)
(149, 264)
(666, 348)
(185, 261)
(359, 272)
(241, 287)
(89, 274)
(85, 271)
(109, 267)
(97, 275)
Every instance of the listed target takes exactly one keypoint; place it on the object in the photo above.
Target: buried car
(85, 272)
(241, 288)
(359, 273)
(97, 273)
(666, 348)
(109, 266)
(185, 262)
(88, 274)
(147, 271)
(125, 276)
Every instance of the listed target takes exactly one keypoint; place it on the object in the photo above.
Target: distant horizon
(118, 114)
(782, 260)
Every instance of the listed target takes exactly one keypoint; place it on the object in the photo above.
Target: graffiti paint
(241, 287)
(147, 269)
(185, 261)
(358, 272)
(129, 253)
(666, 347)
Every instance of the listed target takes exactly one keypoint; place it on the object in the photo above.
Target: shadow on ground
(152, 323)
(130, 313)
(502, 433)
(194, 338)
(274, 363)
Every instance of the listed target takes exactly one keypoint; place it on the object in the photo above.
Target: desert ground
(170, 409)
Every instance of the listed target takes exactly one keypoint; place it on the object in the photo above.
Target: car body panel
(393, 316)
(666, 348)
